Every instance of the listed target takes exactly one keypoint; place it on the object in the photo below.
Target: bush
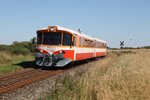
(23, 48)
(20, 48)
(3, 47)
(146, 47)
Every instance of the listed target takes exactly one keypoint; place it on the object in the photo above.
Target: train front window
(52, 38)
(49, 38)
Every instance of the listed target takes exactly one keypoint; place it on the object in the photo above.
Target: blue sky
(109, 20)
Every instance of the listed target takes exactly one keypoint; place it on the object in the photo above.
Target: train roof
(77, 33)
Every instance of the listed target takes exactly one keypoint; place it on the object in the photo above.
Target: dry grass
(123, 77)
(126, 78)
(5, 57)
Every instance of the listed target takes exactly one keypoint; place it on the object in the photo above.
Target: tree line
(17, 48)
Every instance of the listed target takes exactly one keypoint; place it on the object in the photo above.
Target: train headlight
(52, 29)
(59, 52)
(44, 51)
(41, 51)
(62, 51)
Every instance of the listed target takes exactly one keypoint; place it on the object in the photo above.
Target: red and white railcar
(58, 46)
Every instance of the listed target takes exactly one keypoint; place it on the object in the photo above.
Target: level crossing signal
(121, 44)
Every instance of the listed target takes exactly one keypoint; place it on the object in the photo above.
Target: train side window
(80, 41)
(67, 39)
(74, 41)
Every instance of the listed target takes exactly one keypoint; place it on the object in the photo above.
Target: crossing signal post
(121, 44)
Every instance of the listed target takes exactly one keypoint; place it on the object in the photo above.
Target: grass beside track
(119, 77)
(10, 63)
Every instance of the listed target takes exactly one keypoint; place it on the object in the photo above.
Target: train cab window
(67, 39)
(39, 38)
(52, 38)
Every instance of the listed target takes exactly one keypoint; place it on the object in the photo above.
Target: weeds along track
(19, 79)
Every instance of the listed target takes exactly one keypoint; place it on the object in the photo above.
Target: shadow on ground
(31, 64)
(27, 64)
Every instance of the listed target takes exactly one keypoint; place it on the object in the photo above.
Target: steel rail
(14, 75)
(43, 75)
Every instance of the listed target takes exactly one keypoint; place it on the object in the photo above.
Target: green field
(10, 63)
(16, 56)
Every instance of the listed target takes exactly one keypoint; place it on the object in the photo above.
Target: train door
(74, 46)
(94, 48)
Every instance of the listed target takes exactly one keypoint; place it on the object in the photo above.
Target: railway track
(14, 75)
(14, 81)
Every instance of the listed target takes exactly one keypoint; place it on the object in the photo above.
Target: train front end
(52, 47)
